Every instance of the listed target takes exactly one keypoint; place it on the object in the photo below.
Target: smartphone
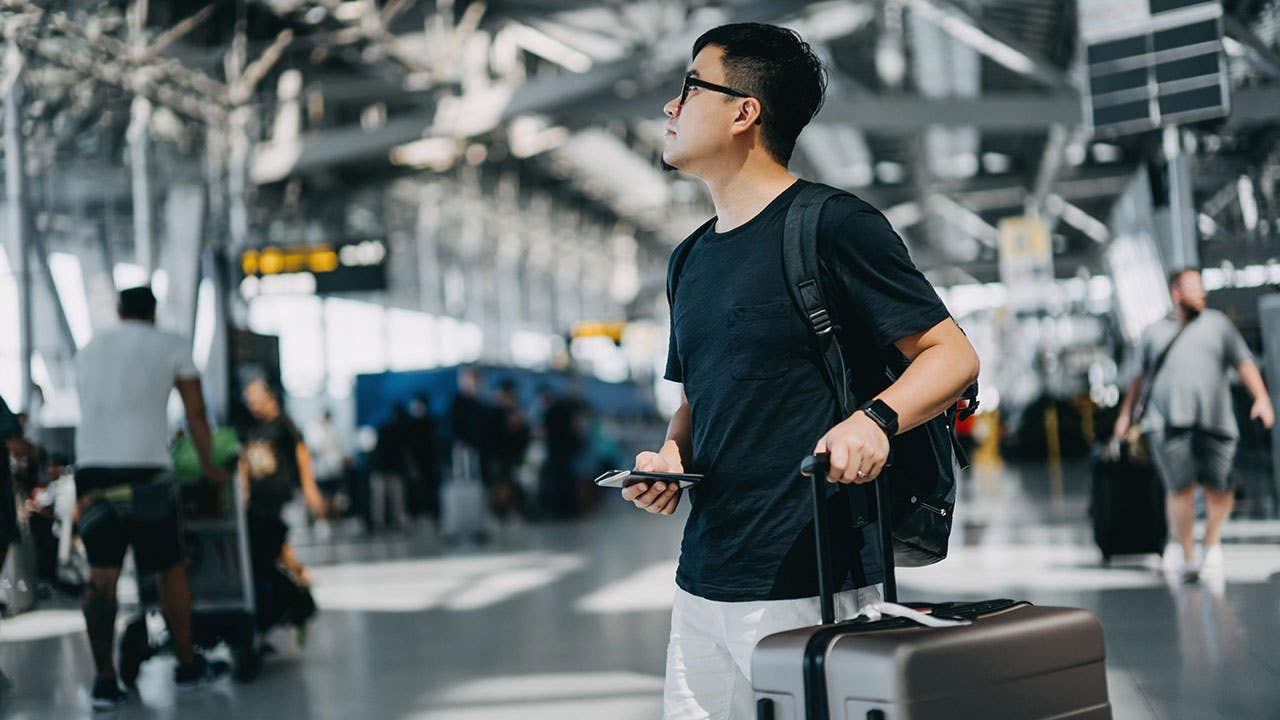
(625, 478)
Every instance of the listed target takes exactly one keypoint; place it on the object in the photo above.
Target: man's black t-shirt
(271, 454)
(758, 396)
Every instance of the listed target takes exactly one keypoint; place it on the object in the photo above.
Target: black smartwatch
(882, 415)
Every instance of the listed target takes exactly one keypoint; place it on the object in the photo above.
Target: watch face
(883, 415)
(884, 411)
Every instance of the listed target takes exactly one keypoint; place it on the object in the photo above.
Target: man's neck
(1184, 315)
(740, 195)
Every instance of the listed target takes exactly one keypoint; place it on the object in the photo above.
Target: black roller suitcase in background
(1012, 659)
(1126, 504)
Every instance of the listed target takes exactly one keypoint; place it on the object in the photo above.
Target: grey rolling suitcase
(1008, 660)
(462, 498)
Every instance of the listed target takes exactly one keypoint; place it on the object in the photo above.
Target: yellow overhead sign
(611, 330)
(277, 260)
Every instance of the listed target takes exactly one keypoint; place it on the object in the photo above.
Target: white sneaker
(1212, 559)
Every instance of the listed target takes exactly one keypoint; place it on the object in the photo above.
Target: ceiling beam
(1256, 52)
(993, 44)
(552, 95)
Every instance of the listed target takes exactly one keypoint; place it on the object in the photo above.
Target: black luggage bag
(1126, 504)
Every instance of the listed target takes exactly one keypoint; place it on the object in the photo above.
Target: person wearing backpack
(757, 387)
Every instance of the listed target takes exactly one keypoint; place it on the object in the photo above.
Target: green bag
(186, 462)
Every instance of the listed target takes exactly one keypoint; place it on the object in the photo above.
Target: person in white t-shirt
(124, 493)
(326, 448)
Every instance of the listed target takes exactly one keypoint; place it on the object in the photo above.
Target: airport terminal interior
(429, 241)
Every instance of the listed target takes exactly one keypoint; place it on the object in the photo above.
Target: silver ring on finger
(861, 474)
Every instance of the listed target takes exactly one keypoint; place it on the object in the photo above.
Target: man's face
(700, 128)
(469, 383)
(1188, 293)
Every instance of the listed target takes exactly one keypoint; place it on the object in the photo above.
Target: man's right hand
(216, 475)
(660, 498)
(1122, 428)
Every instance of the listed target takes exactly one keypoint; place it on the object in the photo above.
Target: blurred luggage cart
(216, 546)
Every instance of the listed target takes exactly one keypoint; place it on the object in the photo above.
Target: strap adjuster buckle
(820, 321)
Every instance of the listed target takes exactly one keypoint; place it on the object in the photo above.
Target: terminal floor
(570, 620)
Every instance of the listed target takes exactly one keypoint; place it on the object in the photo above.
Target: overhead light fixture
(274, 160)
(530, 136)
(1075, 154)
(1105, 152)
(1248, 203)
(351, 10)
(904, 215)
(437, 154)
(995, 163)
(965, 219)
(1206, 225)
(891, 65)
(831, 20)
(963, 30)
(1081, 220)
(315, 15)
(549, 48)
(476, 154)
(890, 173)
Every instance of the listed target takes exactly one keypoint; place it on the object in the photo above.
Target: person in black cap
(123, 489)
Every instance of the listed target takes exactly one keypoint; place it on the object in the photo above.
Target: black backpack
(924, 460)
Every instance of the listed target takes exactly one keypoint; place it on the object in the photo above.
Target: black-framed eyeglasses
(691, 81)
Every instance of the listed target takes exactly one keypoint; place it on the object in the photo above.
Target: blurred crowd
(488, 454)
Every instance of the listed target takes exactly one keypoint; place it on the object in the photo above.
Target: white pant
(709, 655)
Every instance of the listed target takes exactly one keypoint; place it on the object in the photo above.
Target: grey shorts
(1184, 456)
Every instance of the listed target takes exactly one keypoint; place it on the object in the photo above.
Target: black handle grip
(816, 468)
(816, 464)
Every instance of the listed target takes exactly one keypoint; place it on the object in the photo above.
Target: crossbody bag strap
(1149, 378)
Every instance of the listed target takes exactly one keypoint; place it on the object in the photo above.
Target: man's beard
(1190, 312)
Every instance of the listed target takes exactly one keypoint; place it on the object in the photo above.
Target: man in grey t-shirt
(1189, 423)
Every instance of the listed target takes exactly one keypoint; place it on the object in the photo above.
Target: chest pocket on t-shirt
(759, 337)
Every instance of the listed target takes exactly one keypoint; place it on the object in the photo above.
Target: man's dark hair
(137, 303)
(773, 65)
(1176, 275)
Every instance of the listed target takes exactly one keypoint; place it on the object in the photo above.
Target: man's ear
(748, 115)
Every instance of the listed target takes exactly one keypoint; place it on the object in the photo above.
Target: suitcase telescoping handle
(816, 468)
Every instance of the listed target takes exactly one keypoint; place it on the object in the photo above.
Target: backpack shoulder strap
(800, 266)
(679, 255)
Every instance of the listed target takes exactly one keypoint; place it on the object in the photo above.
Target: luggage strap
(876, 611)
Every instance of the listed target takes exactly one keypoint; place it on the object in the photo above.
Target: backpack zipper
(935, 510)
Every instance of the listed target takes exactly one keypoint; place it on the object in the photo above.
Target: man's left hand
(859, 449)
(1263, 411)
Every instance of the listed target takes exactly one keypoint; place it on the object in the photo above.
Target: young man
(125, 496)
(755, 399)
(1188, 423)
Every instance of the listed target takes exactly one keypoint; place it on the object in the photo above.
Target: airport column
(139, 153)
(139, 137)
(18, 220)
(1176, 231)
